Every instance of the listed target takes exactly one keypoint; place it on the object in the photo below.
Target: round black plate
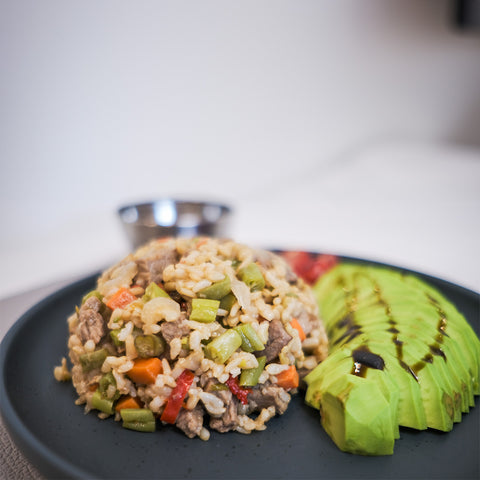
(61, 441)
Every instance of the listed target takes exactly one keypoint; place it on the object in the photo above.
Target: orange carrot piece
(201, 241)
(145, 370)
(127, 402)
(288, 378)
(121, 298)
(296, 325)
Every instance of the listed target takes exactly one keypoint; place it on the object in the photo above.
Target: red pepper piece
(319, 266)
(240, 392)
(308, 266)
(176, 398)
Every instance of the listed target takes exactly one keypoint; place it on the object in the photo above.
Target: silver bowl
(173, 218)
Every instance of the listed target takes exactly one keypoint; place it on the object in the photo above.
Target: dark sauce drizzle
(363, 358)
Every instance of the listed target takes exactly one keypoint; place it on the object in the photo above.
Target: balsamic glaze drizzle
(363, 358)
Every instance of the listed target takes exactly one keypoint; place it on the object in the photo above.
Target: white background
(347, 126)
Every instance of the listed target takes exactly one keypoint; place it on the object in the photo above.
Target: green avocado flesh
(401, 355)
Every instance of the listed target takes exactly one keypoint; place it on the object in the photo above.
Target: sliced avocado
(416, 340)
(411, 412)
(390, 390)
(431, 354)
(334, 366)
(357, 417)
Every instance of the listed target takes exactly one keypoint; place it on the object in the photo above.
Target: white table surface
(417, 206)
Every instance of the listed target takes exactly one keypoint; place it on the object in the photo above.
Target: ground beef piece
(176, 329)
(151, 269)
(91, 325)
(277, 339)
(190, 421)
(229, 420)
(266, 395)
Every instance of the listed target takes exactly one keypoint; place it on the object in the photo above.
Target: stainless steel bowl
(173, 218)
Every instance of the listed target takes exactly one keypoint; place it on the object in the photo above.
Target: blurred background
(349, 127)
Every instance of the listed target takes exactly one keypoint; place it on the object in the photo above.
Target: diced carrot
(145, 370)
(296, 325)
(201, 241)
(121, 298)
(288, 378)
(127, 402)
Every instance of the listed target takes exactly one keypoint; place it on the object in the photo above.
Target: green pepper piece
(92, 360)
(152, 291)
(249, 377)
(101, 403)
(252, 277)
(204, 310)
(226, 303)
(221, 348)
(217, 290)
(251, 341)
(149, 345)
(93, 293)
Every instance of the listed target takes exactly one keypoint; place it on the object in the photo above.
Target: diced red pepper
(121, 298)
(240, 392)
(176, 398)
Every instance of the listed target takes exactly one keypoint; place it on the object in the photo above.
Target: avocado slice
(411, 412)
(357, 417)
(420, 343)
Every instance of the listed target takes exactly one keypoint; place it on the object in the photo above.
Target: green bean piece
(236, 264)
(252, 277)
(141, 415)
(216, 387)
(251, 341)
(93, 293)
(140, 426)
(204, 310)
(105, 382)
(114, 336)
(221, 348)
(249, 377)
(149, 345)
(92, 360)
(226, 303)
(139, 419)
(152, 291)
(101, 403)
(217, 290)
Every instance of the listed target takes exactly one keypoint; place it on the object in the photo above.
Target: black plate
(61, 441)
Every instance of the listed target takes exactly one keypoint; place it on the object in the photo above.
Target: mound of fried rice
(281, 311)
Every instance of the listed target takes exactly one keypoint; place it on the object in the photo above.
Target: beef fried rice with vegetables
(200, 333)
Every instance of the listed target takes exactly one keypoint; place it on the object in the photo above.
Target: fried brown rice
(201, 333)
